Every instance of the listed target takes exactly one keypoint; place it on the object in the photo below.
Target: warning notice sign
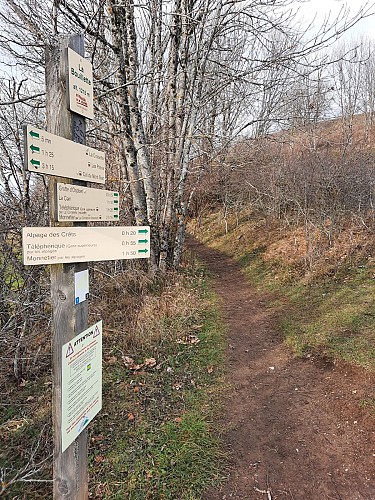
(81, 382)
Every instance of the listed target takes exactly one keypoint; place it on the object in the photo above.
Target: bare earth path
(294, 428)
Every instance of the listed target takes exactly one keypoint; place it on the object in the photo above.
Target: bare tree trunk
(134, 139)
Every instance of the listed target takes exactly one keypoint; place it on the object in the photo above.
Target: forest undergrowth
(162, 380)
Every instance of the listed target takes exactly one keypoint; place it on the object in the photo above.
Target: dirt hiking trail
(294, 428)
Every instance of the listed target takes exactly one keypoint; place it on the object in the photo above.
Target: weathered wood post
(69, 319)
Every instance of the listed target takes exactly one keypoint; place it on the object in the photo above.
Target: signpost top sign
(80, 85)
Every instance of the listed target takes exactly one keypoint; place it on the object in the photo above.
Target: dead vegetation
(313, 184)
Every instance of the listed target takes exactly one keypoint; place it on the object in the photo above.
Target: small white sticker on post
(81, 286)
(81, 389)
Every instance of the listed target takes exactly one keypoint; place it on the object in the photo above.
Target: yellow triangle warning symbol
(69, 351)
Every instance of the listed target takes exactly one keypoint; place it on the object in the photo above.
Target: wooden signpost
(67, 245)
(68, 319)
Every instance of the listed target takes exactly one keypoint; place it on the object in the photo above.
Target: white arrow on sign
(51, 154)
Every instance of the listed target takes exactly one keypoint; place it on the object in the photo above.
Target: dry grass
(290, 246)
(140, 318)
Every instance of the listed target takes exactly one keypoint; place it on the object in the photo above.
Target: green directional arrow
(143, 251)
(142, 231)
(34, 148)
(143, 241)
(34, 134)
(35, 162)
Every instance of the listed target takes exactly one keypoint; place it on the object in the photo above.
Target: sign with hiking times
(80, 85)
(81, 382)
(79, 203)
(51, 154)
(62, 245)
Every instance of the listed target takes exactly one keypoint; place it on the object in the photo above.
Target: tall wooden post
(68, 319)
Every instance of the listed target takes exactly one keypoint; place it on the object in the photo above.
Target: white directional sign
(51, 154)
(55, 245)
(80, 85)
(81, 388)
(79, 203)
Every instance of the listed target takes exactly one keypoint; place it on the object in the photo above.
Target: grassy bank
(156, 438)
(326, 306)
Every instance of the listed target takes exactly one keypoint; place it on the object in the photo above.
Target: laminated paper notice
(81, 382)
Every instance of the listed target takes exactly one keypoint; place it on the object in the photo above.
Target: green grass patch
(369, 404)
(156, 438)
(337, 319)
(172, 462)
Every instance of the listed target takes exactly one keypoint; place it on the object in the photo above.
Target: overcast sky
(318, 9)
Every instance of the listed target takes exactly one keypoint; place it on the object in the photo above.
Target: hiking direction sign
(51, 154)
(79, 203)
(80, 85)
(81, 390)
(62, 245)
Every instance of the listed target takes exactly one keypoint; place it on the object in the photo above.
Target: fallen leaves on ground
(188, 340)
(14, 425)
(130, 364)
(150, 362)
(97, 438)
